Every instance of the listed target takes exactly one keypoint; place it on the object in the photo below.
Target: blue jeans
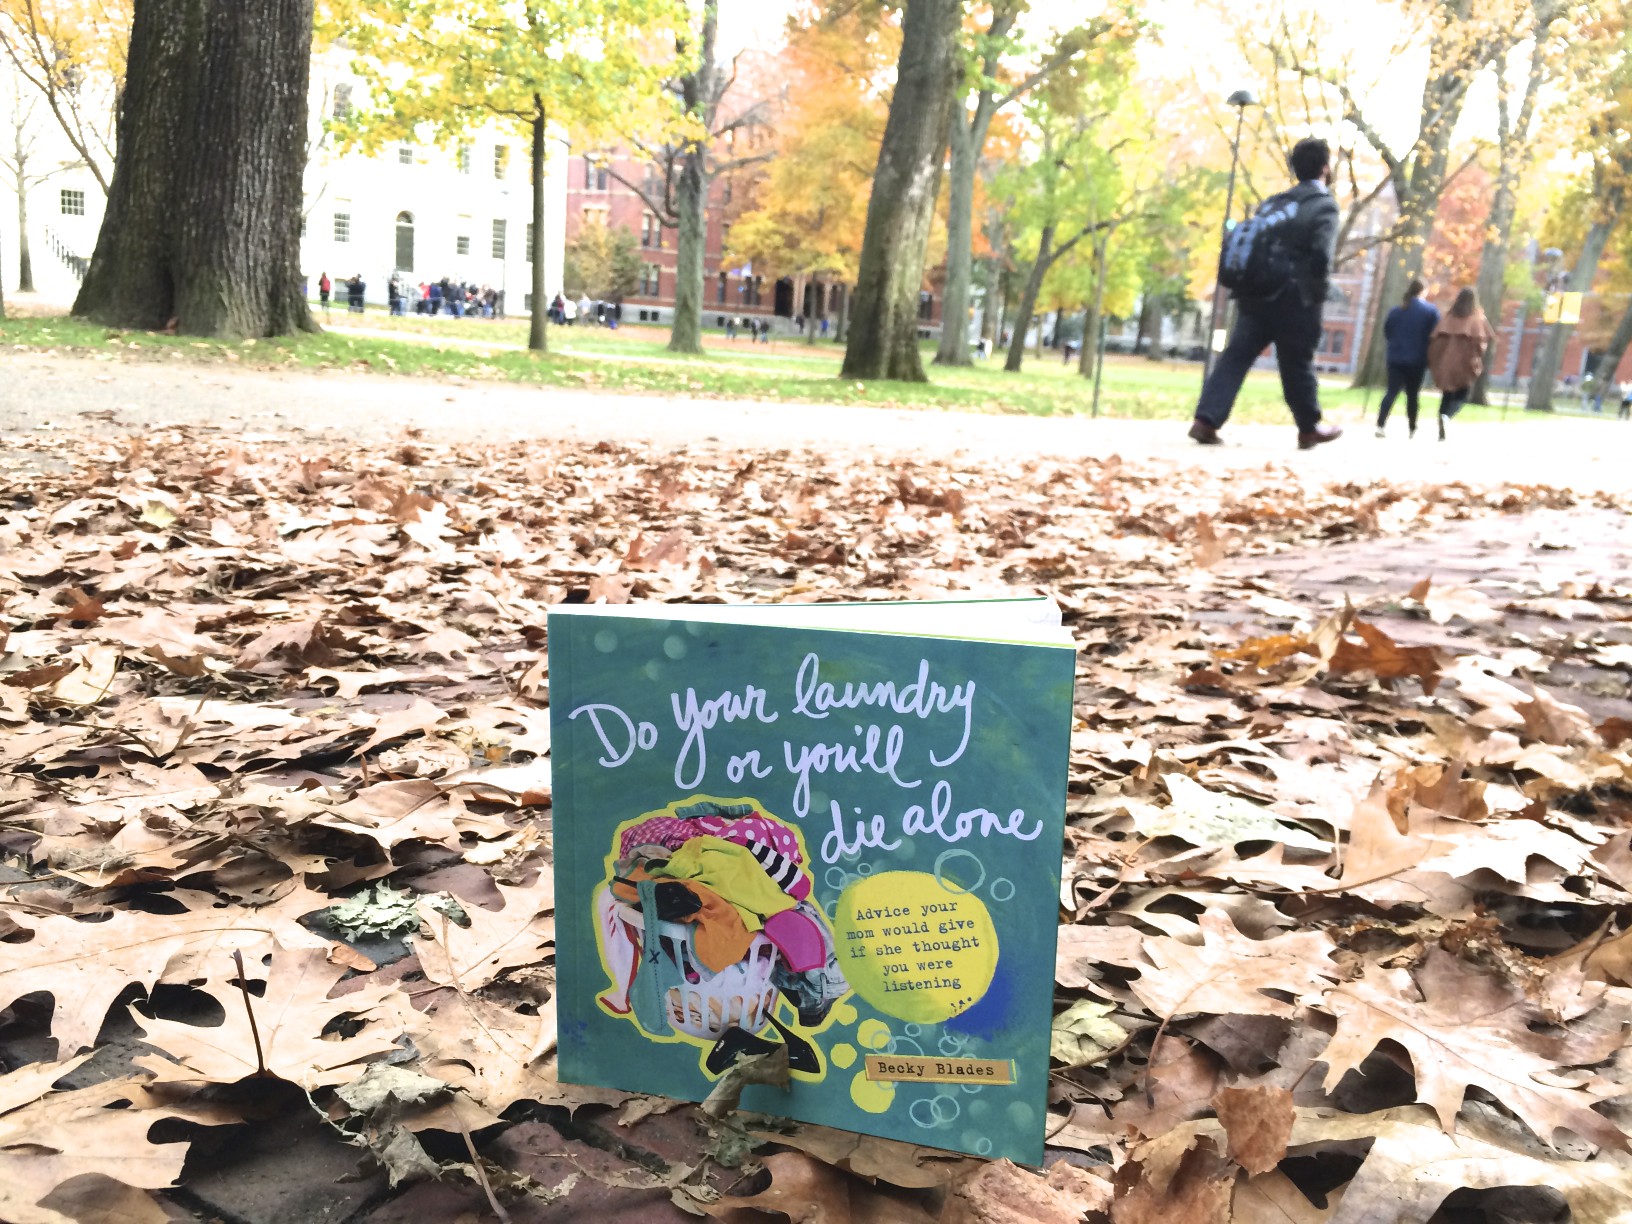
(1407, 378)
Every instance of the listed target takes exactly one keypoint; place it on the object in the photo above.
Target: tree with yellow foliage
(810, 209)
(446, 66)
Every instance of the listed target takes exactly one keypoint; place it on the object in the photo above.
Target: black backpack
(1257, 261)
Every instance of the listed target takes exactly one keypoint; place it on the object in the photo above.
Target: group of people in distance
(564, 312)
(445, 296)
(1453, 346)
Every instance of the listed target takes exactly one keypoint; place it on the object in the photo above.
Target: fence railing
(77, 264)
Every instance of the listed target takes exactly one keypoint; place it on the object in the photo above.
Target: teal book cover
(843, 841)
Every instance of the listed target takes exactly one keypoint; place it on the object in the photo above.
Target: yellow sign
(914, 947)
(1562, 308)
(911, 1068)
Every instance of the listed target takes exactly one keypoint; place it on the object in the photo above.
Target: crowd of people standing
(403, 296)
(565, 312)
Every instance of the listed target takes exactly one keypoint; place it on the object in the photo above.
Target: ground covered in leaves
(1345, 914)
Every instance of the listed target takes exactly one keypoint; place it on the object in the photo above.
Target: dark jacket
(1311, 240)
(1407, 328)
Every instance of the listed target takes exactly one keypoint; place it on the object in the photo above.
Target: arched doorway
(405, 242)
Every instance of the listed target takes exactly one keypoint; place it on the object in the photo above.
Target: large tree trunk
(686, 335)
(1544, 370)
(538, 338)
(25, 259)
(1610, 359)
(691, 197)
(203, 218)
(960, 230)
(1028, 301)
(993, 304)
(884, 333)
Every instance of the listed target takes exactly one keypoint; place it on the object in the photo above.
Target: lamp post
(1240, 99)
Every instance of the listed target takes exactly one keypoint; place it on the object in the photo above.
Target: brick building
(598, 192)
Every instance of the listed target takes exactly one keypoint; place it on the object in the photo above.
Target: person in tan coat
(1456, 354)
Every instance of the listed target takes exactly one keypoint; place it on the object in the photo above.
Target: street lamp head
(1242, 98)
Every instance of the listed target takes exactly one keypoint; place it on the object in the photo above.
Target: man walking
(1280, 303)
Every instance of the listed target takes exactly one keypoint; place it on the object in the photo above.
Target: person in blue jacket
(1407, 329)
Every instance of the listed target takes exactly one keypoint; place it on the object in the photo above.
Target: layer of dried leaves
(1345, 919)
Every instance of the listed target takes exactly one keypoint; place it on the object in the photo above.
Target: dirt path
(51, 392)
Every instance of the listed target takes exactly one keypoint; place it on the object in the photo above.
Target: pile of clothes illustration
(706, 918)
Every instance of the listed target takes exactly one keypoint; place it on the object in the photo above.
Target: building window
(498, 239)
(501, 160)
(342, 102)
(723, 279)
(461, 245)
(651, 280)
(646, 229)
(464, 159)
(596, 214)
(650, 177)
(530, 247)
(405, 154)
(601, 174)
(342, 227)
(728, 189)
(73, 202)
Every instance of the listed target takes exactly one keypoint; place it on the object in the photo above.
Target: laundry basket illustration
(675, 991)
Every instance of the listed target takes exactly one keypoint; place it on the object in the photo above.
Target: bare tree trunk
(817, 311)
(1544, 370)
(691, 196)
(538, 338)
(1610, 359)
(844, 317)
(884, 339)
(1028, 301)
(203, 218)
(960, 228)
(25, 259)
(1096, 312)
(993, 305)
(686, 334)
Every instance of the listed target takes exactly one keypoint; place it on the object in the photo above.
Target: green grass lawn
(634, 360)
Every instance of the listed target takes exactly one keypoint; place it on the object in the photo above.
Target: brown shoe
(1308, 439)
(1205, 433)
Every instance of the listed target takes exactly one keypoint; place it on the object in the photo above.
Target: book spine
(560, 639)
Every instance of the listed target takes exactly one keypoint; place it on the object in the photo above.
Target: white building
(464, 213)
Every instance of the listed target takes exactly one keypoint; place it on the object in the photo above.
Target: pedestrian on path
(324, 287)
(1407, 330)
(1456, 353)
(1287, 251)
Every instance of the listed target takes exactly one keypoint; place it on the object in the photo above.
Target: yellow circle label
(913, 947)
